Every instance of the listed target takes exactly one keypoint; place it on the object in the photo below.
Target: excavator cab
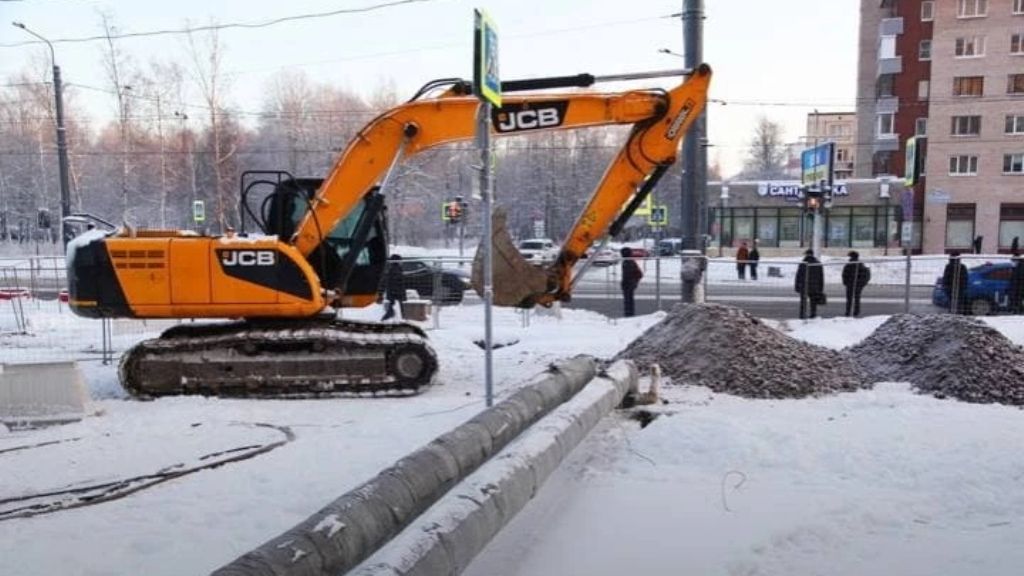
(353, 255)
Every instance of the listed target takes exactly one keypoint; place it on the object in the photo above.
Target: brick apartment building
(951, 73)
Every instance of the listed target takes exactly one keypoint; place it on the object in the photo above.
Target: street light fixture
(723, 199)
(62, 144)
(883, 193)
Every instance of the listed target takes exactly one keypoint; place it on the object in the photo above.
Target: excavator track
(284, 358)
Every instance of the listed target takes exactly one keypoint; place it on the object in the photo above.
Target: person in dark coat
(394, 286)
(954, 280)
(754, 257)
(742, 255)
(631, 275)
(855, 277)
(977, 244)
(1016, 282)
(810, 284)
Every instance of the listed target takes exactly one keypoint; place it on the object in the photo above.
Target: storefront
(773, 213)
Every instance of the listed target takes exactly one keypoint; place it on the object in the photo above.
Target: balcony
(892, 65)
(886, 143)
(891, 27)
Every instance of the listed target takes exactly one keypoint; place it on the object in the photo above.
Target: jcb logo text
(248, 257)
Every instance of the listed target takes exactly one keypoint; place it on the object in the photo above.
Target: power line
(227, 26)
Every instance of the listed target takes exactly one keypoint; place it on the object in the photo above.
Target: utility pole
(694, 188)
(62, 143)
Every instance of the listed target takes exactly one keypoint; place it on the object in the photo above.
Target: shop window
(1011, 224)
(959, 225)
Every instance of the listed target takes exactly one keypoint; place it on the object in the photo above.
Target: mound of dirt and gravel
(732, 352)
(945, 355)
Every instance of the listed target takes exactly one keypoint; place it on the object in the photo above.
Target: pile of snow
(945, 355)
(730, 351)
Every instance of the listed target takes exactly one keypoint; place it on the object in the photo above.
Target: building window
(1014, 124)
(923, 88)
(1015, 84)
(1013, 163)
(968, 85)
(971, 8)
(966, 126)
(970, 47)
(886, 125)
(928, 10)
(1011, 224)
(959, 225)
(924, 50)
(1018, 6)
(885, 87)
(963, 165)
(921, 127)
(887, 47)
(1017, 43)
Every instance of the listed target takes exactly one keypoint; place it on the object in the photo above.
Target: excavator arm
(659, 118)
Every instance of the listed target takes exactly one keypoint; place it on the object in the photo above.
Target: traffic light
(43, 219)
(453, 212)
(812, 197)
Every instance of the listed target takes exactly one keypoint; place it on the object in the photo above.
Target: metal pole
(657, 280)
(62, 144)
(694, 158)
(62, 154)
(906, 285)
(817, 231)
(483, 121)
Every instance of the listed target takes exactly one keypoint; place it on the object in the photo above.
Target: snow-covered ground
(195, 523)
(881, 481)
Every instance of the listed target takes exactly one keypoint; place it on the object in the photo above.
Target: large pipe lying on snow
(349, 529)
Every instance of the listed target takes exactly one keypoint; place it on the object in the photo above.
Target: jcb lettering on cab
(248, 257)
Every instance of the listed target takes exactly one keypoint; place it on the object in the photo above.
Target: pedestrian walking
(954, 280)
(855, 277)
(754, 257)
(394, 286)
(631, 275)
(810, 285)
(978, 243)
(742, 255)
(1016, 282)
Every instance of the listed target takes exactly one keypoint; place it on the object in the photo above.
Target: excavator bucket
(516, 282)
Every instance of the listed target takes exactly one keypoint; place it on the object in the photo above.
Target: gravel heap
(732, 352)
(945, 355)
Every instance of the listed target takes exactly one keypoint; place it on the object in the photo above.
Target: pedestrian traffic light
(452, 211)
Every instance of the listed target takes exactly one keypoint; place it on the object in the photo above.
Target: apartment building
(893, 92)
(838, 127)
(956, 68)
(976, 129)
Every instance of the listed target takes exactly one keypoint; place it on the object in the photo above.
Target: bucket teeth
(516, 282)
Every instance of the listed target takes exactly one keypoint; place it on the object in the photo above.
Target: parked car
(988, 287)
(10, 293)
(538, 250)
(605, 257)
(669, 246)
(421, 277)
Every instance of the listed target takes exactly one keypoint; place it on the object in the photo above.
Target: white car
(538, 250)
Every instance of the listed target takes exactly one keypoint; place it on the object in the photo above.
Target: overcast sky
(781, 59)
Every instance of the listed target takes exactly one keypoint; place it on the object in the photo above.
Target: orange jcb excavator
(322, 245)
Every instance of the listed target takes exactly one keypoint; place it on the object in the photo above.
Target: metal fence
(36, 324)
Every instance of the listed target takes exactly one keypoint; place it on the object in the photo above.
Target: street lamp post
(883, 193)
(62, 144)
(723, 199)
